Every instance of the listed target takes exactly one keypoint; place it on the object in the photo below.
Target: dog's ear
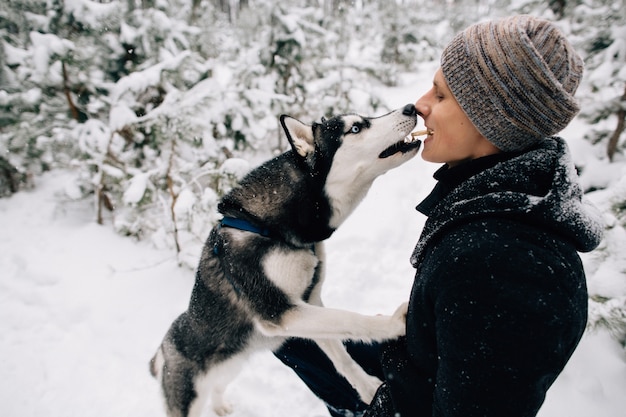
(300, 135)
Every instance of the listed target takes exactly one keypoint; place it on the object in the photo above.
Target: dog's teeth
(413, 137)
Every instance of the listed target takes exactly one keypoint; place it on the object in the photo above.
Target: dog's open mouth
(403, 146)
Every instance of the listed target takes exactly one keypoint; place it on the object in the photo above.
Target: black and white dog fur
(260, 274)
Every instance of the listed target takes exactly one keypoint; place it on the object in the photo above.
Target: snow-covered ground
(82, 309)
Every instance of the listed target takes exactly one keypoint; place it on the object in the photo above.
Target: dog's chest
(293, 271)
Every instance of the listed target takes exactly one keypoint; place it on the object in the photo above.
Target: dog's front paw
(367, 388)
(398, 321)
(222, 409)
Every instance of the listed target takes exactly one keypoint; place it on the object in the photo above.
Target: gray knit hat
(515, 79)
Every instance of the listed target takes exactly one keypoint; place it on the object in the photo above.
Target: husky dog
(261, 270)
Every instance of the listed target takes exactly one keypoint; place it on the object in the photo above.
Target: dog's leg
(200, 387)
(213, 384)
(364, 383)
(316, 293)
(314, 322)
(220, 406)
(221, 375)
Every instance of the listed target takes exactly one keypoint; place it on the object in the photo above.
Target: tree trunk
(66, 89)
(557, 7)
(194, 10)
(619, 129)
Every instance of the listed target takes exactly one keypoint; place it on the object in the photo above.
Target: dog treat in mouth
(413, 136)
(422, 133)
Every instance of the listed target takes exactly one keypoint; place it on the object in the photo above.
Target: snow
(44, 46)
(592, 383)
(93, 137)
(184, 202)
(83, 309)
(237, 167)
(92, 14)
(120, 116)
(135, 191)
(141, 80)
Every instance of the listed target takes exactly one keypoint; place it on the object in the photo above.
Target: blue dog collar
(245, 225)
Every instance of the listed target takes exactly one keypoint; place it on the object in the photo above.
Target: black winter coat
(499, 300)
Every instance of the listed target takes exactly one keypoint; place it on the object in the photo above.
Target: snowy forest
(158, 107)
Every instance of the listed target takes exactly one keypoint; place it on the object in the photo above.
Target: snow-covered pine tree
(601, 25)
(598, 30)
(414, 34)
(38, 97)
(147, 108)
(115, 91)
(156, 161)
(52, 79)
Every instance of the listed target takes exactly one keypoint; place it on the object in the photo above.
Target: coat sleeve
(508, 314)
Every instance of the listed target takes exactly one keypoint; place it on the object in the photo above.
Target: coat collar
(538, 187)
(449, 178)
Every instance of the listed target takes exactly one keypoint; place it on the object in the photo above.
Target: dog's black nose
(409, 110)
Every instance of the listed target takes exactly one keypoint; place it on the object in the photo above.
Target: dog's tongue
(401, 146)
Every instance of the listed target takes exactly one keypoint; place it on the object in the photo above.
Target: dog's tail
(156, 363)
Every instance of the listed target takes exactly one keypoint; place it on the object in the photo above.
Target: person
(499, 301)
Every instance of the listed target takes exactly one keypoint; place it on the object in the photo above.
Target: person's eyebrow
(441, 87)
(437, 87)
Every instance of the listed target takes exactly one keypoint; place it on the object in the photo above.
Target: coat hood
(538, 187)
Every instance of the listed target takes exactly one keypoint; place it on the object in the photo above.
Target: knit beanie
(514, 78)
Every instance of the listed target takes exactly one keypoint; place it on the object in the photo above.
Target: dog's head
(368, 144)
(349, 152)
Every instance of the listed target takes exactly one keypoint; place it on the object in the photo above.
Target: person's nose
(423, 109)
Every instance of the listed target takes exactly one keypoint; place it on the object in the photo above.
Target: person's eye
(355, 129)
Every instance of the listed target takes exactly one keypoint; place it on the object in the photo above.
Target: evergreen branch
(609, 314)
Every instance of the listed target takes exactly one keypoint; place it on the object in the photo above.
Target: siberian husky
(261, 270)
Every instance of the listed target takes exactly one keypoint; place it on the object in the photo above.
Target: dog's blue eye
(355, 129)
